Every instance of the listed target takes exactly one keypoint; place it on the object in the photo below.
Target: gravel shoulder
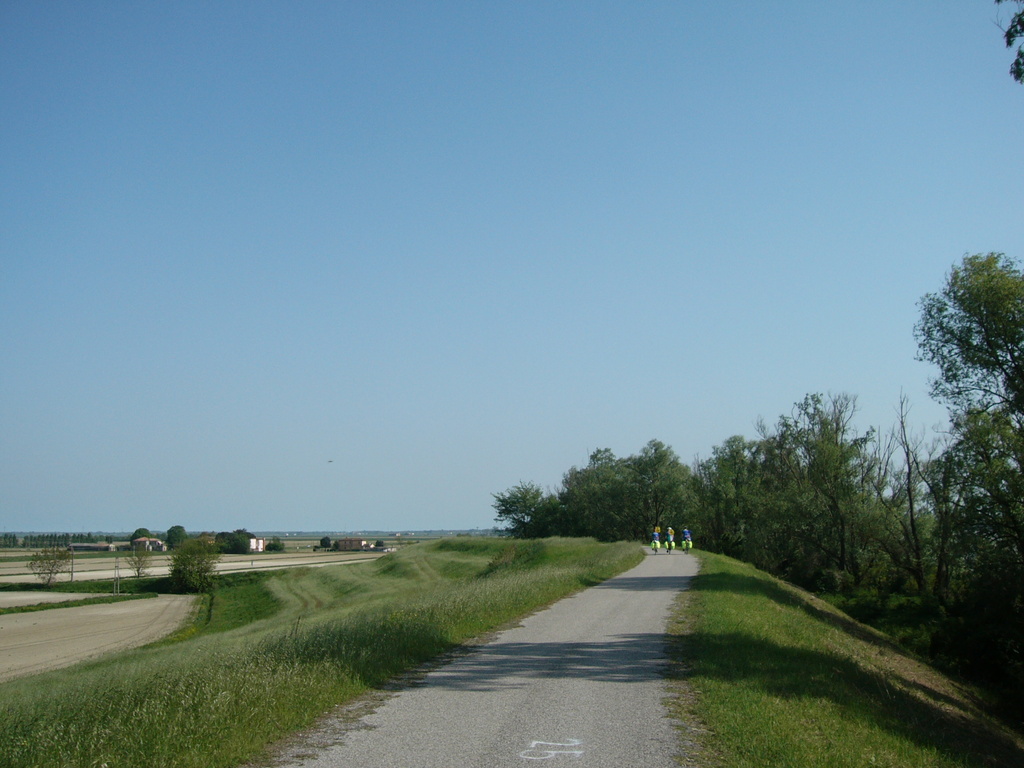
(51, 639)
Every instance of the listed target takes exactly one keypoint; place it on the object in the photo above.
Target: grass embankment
(272, 653)
(772, 676)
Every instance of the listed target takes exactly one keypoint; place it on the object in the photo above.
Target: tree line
(892, 513)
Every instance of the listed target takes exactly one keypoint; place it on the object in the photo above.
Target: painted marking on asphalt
(533, 753)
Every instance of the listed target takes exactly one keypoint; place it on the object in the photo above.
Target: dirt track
(59, 637)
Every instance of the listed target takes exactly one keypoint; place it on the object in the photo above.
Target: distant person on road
(656, 540)
(687, 539)
(671, 543)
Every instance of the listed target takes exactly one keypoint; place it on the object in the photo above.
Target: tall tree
(657, 490)
(176, 534)
(728, 504)
(1013, 32)
(595, 498)
(526, 511)
(818, 468)
(973, 331)
(898, 481)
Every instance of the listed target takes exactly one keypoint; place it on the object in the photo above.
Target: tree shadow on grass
(889, 701)
(789, 596)
(891, 696)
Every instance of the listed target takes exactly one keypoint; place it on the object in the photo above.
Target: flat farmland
(54, 638)
(14, 566)
(51, 639)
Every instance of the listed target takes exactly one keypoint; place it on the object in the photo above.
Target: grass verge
(219, 698)
(769, 675)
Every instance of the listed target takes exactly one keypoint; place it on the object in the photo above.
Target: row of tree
(610, 498)
(37, 540)
(833, 508)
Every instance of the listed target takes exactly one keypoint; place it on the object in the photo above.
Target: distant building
(257, 544)
(350, 545)
(153, 545)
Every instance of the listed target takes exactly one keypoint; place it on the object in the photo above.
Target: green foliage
(234, 543)
(176, 535)
(140, 533)
(1013, 32)
(610, 499)
(192, 565)
(49, 563)
(526, 511)
(259, 673)
(275, 545)
(973, 331)
(785, 679)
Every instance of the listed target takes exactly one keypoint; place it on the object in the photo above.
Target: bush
(192, 565)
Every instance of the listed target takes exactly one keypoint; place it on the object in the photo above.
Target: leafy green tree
(176, 534)
(817, 469)
(727, 503)
(1013, 32)
(973, 331)
(595, 499)
(610, 498)
(275, 545)
(325, 542)
(49, 562)
(141, 533)
(525, 511)
(658, 486)
(193, 564)
(235, 542)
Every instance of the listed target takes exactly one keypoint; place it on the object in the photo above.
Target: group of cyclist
(670, 540)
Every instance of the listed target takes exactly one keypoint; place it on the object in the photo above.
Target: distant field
(274, 650)
(114, 565)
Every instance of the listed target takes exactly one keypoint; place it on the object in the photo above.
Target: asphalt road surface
(578, 684)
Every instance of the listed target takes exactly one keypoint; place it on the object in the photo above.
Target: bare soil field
(44, 640)
(15, 571)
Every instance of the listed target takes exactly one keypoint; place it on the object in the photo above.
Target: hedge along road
(579, 683)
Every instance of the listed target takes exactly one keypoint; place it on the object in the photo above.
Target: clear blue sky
(313, 265)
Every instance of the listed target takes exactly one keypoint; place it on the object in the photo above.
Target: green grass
(768, 675)
(273, 652)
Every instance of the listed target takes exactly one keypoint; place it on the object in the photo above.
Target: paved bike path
(578, 684)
